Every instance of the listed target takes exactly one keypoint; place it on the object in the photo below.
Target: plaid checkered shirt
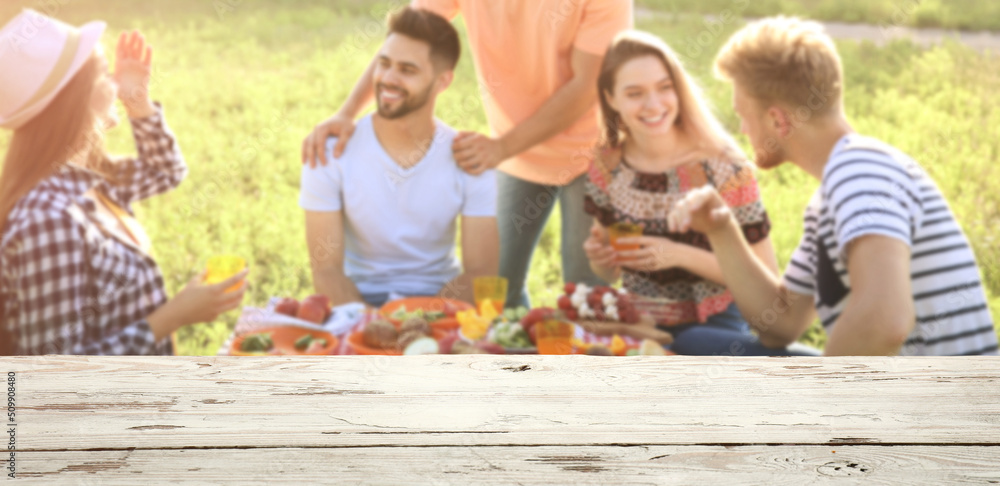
(68, 285)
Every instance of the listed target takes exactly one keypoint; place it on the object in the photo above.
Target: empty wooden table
(506, 419)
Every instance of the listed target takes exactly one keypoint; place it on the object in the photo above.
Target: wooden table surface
(507, 419)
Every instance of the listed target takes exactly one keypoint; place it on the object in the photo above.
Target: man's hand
(655, 253)
(314, 146)
(477, 153)
(702, 210)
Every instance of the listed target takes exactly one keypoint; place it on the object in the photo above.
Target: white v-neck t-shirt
(399, 224)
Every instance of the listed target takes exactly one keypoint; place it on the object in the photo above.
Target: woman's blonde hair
(694, 115)
(67, 129)
(785, 60)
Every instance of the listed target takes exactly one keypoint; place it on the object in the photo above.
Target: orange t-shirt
(522, 50)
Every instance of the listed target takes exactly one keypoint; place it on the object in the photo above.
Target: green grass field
(951, 14)
(243, 85)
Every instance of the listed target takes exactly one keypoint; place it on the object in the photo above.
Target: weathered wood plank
(88, 403)
(775, 465)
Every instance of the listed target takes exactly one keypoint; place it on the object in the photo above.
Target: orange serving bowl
(284, 338)
(427, 304)
(357, 342)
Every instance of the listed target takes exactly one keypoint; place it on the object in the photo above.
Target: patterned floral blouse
(615, 192)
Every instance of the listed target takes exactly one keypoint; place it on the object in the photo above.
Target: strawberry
(572, 314)
(594, 300)
(564, 303)
(570, 288)
(599, 315)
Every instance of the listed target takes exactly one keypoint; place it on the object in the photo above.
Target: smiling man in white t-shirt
(381, 220)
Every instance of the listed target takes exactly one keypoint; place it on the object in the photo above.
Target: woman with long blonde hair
(661, 140)
(77, 274)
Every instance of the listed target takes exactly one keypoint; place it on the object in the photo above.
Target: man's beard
(408, 105)
(769, 159)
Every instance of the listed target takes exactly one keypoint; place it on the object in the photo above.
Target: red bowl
(438, 304)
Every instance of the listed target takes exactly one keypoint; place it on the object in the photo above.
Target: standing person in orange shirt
(537, 62)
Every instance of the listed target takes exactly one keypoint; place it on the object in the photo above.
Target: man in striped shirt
(887, 267)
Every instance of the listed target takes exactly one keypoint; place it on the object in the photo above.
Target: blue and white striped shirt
(871, 188)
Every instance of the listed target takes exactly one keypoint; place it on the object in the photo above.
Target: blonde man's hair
(785, 60)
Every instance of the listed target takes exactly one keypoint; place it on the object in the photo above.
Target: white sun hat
(38, 56)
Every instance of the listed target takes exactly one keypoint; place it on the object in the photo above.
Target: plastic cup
(492, 289)
(555, 337)
(624, 230)
(223, 267)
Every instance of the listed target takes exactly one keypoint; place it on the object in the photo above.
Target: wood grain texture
(775, 465)
(74, 403)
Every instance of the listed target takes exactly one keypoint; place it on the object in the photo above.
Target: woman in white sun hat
(76, 271)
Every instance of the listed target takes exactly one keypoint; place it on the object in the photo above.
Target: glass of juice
(492, 289)
(222, 267)
(623, 230)
(555, 337)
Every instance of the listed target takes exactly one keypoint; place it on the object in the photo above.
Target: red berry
(564, 303)
(594, 300)
(599, 315)
(570, 288)
(572, 314)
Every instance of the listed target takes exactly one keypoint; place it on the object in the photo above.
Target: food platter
(429, 307)
(284, 340)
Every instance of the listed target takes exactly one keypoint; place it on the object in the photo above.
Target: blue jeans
(725, 334)
(523, 208)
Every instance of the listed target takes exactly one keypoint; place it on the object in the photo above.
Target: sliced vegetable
(511, 335)
(401, 314)
(303, 342)
(316, 346)
(257, 343)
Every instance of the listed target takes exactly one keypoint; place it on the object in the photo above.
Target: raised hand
(702, 210)
(133, 69)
